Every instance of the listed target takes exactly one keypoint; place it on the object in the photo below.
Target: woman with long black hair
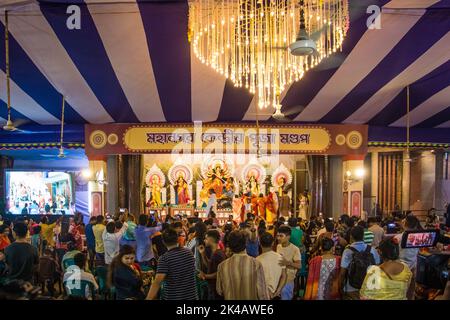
(125, 275)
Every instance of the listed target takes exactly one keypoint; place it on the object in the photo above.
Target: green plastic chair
(67, 263)
(101, 273)
(202, 288)
(81, 291)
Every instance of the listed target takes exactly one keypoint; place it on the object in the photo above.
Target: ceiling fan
(10, 125)
(279, 116)
(61, 154)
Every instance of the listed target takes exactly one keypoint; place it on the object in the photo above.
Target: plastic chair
(202, 288)
(67, 263)
(80, 291)
(101, 273)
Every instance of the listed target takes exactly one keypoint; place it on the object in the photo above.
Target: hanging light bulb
(249, 39)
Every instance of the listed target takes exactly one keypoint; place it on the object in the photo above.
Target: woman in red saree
(323, 274)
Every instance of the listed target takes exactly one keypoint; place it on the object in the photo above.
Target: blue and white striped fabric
(131, 62)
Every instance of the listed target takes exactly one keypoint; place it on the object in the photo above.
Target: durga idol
(181, 191)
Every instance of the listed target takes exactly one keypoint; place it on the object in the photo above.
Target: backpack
(361, 260)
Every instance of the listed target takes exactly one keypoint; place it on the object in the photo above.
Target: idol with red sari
(323, 278)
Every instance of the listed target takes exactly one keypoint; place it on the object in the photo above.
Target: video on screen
(39, 192)
(420, 239)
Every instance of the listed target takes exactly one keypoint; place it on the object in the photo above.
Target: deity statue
(155, 195)
(181, 191)
(217, 180)
(281, 185)
(229, 188)
(304, 205)
(252, 186)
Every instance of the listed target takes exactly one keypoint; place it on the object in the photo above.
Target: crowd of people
(182, 257)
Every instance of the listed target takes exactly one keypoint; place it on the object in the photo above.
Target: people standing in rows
(291, 259)
(177, 269)
(356, 258)
(241, 277)
(275, 275)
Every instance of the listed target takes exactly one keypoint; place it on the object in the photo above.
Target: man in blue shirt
(144, 252)
(90, 240)
(357, 240)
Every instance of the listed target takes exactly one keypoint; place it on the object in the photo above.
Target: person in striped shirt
(177, 268)
(369, 236)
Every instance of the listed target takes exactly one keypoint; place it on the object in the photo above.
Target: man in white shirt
(111, 239)
(274, 274)
(291, 259)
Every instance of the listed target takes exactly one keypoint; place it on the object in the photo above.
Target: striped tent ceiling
(131, 62)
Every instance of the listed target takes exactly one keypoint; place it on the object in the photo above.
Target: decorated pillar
(129, 173)
(374, 177)
(319, 168)
(353, 184)
(112, 190)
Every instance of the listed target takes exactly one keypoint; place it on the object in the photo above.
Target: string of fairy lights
(247, 40)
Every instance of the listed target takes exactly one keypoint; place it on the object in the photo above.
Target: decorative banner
(225, 138)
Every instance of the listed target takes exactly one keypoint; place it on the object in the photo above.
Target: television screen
(420, 239)
(39, 192)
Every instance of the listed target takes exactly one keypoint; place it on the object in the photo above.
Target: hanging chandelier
(264, 45)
